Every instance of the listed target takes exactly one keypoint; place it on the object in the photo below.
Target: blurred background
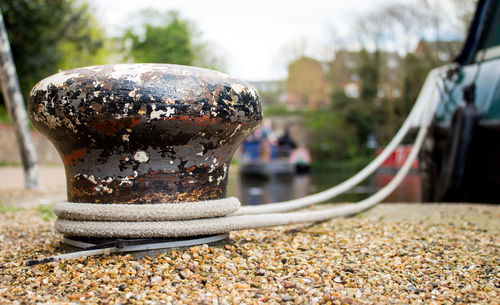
(336, 78)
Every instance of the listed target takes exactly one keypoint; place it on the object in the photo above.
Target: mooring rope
(146, 212)
(219, 225)
(423, 102)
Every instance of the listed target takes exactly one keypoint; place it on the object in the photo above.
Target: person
(285, 144)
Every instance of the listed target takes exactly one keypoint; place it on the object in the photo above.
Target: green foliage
(358, 116)
(331, 136)
(281, 110)
(46, 211)
(10, 209)
(415, 70)
(369, 71)
(91, 49)
(275, 110)
(166, 39)
(367, 114)
(47, 35)
(352, 165)
(388, 117)
(4, 115)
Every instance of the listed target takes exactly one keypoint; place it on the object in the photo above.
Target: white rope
(425, 101)
(229, 223)
(146, 212)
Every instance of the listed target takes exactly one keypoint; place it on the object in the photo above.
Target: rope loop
(146, 212)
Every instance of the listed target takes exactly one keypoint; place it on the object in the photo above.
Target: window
(489, 46)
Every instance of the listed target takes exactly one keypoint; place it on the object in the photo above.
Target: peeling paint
(141, 156)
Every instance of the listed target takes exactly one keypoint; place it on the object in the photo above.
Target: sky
(256, 39)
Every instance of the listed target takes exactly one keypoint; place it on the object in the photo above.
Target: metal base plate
(143, 245)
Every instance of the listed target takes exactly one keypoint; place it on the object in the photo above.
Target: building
(344, 73)
(439, 51)
(307, 85)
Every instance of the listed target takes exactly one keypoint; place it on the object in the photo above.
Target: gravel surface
(393, 254)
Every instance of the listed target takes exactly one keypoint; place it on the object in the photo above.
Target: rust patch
(112, 127)
(200, 121)
(72, 157)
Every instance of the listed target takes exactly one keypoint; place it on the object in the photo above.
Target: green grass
(10, 209)
(46, 211)
(10, 164)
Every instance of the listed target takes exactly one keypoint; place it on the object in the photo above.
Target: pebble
(156, 279)
(290, 284)
(342, 261)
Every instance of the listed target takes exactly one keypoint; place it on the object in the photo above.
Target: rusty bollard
(144, 133)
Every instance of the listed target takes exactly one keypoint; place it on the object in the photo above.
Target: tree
(166, 38)
(13, 97)
(48, 35)
(369, 74)
(415, 70)
(332, 137)
(464, 12)
(167, 41)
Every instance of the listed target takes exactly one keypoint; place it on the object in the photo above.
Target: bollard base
(142, 247)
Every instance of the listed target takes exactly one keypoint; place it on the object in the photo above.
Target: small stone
(260, 272)
(345, 300)
(221, 259)
(286, 298)
(337, 279)
(348, 270)
(179, 268)
(290, 284)
(122, 287)
(75, 297)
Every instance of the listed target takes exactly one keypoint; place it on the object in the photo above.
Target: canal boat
(396, 159)
(460, 160)
(266, 155)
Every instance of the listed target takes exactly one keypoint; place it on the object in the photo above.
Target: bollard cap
(149, 91)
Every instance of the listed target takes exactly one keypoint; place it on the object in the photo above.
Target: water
(253, 191)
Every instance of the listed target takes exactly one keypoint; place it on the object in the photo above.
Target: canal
(254, 190)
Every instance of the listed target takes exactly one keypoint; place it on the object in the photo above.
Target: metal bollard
(144, 133)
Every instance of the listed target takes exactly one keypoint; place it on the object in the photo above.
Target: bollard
(144, 134)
